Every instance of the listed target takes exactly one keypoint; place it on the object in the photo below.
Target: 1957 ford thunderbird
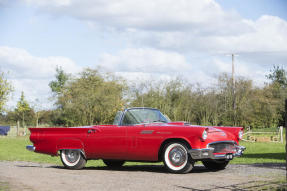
(141, 134)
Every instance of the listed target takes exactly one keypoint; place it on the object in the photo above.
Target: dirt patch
(8, 184)
(4, 186)
(46, 177)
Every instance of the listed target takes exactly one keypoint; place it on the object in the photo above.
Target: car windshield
(143, 115)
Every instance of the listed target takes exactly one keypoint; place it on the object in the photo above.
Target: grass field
(13, 149)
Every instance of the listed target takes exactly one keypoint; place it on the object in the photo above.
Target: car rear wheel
(73, 159)
(114, 163)
(176, 159)
(215, 165)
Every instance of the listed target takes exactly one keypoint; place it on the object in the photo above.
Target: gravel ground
(46, 177)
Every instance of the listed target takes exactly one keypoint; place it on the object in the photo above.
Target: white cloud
(31, 74)
(162, 36)
(268, 33)
(146, 64)
(21, 64)
(148, 14)
(145, 60)
(141, 64)
(52, 3)
(255, 72)
(184, 25)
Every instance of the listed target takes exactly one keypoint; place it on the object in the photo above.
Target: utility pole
(233, 88)
(233, 82)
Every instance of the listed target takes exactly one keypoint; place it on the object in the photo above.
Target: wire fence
(20, 131)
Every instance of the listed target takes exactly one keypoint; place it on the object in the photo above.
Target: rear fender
(75, 144)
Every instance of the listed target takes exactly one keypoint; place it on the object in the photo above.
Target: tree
(212, 105)
(91, 98)
(38, 111)
(61, 79)
(278, 86)
(57, 87)
(278, 75)
(5, 90)
(22, 109)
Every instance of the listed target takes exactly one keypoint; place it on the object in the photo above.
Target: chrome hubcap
(177, 156)
(72, 155)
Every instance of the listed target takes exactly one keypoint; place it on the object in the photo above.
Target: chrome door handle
(91, 131)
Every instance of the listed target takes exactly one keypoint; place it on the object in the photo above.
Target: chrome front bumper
(208, 153)
(30, 148)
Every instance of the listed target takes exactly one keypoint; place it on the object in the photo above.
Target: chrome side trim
(146, 131)
(30, 148)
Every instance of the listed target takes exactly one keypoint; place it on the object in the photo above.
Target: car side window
(129, 119)
(118, 117)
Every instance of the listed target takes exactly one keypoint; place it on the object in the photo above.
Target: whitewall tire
(176, 158)
(72, 159)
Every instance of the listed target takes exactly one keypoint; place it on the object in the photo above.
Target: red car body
(139, 142)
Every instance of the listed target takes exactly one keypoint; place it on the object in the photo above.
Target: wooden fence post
(281, 134)
(18, 126)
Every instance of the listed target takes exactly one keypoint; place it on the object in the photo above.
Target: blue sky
(139, 40)
(255, 8)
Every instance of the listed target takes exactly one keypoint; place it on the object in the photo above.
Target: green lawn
(13, 149)
(261, 153)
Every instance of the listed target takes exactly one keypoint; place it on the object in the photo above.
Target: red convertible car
(141, 134)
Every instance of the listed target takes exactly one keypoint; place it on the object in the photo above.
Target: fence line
(277, 138)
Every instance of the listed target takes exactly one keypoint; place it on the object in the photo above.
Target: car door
(106, 142)
(143, 142)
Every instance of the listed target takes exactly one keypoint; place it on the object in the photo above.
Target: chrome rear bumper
(208, 153)
(30, 148)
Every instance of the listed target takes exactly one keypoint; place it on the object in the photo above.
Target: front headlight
(240, 134)
(204, 135)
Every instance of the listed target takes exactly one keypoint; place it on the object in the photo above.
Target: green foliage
(61, 79)
(261, 153)
(90, 99)
(22, 108)
(278, 75)
(5, 90)
(278, 87)
(93, 97)
(220, 105)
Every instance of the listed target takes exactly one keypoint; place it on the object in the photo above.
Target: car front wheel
(73, 159)
(215, 165)
(176, 158)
